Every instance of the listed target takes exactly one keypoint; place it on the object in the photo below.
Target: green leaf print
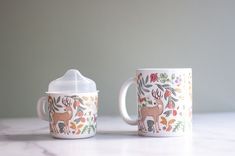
(160, 87)
(174, 99)
(89, 130)
(173, 91)
(84, 129)
(173, 76)
(166, 85)
(179, 126)
(58, 100)
(93, 128)
(148, 85)
(146, 79)
(167, 113)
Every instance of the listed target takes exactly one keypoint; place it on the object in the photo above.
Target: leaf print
(73, 96)
(146, 90)
(173, 76)
(169, 128)
(77, 120)
(78, 132)
(173, 104)
(171, 121)
(80, 100)
(166, 85)
(55, 108)
(163, 81)
(163, 77)
(142, 80)
(165, 97)
(174, 99)
(164, 122)
(173, 91)
(84, 129)
(167, 113)
(79, 126)
(58, 100)
(146, 79)
(73, 126)
(160, 87)
(179, 125)
(54, 100)
(148, 86)
(93, 128)
(150, 102)
(141, 90)
(138, 77)
(85, 98)
(58, 106)
(81, 108)
(139, 93)
(141, 84)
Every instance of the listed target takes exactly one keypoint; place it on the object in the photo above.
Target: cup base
(60, 136)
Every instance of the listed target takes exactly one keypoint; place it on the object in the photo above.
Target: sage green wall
(107, 40)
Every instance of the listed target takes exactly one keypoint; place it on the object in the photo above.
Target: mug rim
(164, 69)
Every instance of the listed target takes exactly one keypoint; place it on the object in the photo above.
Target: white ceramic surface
(213, 134)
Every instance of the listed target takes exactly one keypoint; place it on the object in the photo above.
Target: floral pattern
(175, 89)
(72, 115)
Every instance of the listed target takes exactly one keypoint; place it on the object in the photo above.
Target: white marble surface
(213, 134)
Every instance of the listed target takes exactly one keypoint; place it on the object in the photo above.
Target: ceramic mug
(164, 101)
(70, 115)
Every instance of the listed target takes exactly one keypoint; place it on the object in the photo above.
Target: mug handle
(122, 101)
(41, 111)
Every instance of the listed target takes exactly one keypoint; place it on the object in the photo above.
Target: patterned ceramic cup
(164, 101)
(70, 115)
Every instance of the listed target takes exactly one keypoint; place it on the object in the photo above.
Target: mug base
(161, 134)
(59, 136)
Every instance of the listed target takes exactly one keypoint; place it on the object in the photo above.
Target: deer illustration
(153, 112)
(65, 117)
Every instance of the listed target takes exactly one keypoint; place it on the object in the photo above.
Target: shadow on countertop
(100, 135)
(25, 137)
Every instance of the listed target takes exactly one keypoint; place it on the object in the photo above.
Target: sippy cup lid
(72, 82)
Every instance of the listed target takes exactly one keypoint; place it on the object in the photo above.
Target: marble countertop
(213, 134)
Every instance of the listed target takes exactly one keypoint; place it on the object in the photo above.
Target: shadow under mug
(164, 101)
(70, 115)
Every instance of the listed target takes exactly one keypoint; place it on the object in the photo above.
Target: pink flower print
(153, 77)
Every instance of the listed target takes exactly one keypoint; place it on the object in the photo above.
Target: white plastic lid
(72, 82)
